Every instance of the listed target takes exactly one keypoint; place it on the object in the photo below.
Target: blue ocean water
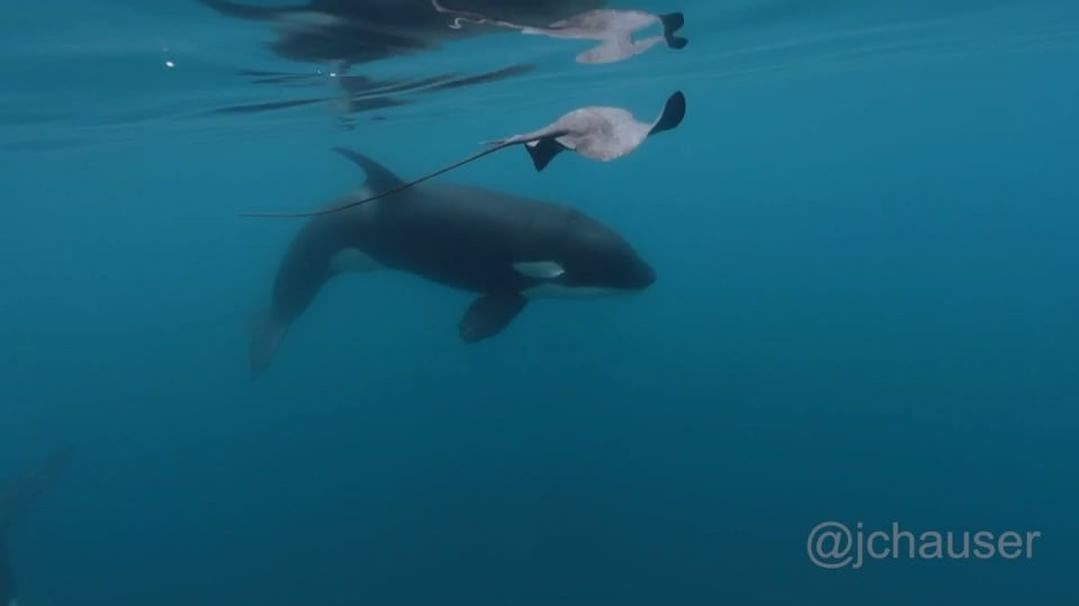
(864, 235)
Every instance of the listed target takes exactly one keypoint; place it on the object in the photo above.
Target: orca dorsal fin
(379, 178)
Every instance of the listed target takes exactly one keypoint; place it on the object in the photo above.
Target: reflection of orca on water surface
(358, 31)
(16, 497)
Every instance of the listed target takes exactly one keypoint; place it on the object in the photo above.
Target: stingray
(597, 133)
(613, 29)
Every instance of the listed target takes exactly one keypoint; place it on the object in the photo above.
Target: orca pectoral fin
(673, 114)
(489, 315)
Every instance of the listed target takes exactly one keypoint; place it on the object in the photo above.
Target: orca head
(598, 258)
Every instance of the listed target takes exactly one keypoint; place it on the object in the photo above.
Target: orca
(503, 248)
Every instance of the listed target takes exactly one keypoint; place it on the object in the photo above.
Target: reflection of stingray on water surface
(613, 29)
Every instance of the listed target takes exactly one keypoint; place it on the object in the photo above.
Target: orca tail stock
(266, 336)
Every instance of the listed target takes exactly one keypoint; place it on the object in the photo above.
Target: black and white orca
(504, 248)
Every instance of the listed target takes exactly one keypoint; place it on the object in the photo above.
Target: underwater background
(865, 240)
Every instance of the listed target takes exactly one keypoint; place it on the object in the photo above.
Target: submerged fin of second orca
(17, 496)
